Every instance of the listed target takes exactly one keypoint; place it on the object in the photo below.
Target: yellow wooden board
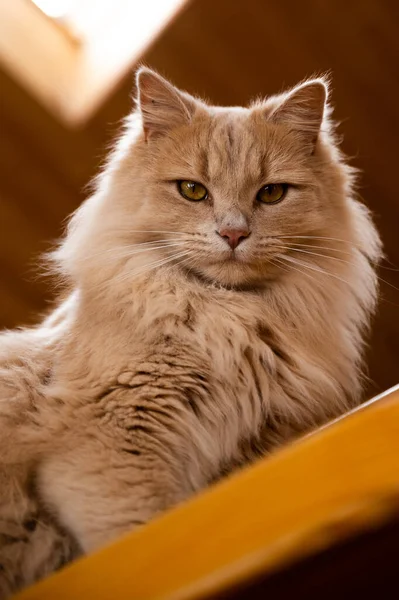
(304, 498)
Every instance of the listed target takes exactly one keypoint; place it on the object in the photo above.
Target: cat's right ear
(162, 106)
(303, 109)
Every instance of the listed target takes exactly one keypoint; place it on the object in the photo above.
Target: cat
(219, 287)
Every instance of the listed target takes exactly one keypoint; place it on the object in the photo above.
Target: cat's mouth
(225, 283)
(231, 270)
(233, 257)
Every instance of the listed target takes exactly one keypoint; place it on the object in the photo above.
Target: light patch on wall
(54, 8)
(90, 21)
(72, 53)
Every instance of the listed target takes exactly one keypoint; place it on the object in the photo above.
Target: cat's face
(226, 191)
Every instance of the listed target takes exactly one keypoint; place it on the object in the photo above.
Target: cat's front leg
(101, 490)
(22, 436)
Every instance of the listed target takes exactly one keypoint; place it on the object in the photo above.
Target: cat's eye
(191, 190)
(272, 193)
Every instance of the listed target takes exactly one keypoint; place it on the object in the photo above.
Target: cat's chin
(231, 274)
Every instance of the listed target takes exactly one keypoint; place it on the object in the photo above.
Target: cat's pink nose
(234, 236)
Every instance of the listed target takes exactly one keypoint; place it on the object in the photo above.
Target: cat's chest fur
(205, 357)
(204, 378)
(213, 363)
(193, 371)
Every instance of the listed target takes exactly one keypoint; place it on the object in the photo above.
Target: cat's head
(228, 194)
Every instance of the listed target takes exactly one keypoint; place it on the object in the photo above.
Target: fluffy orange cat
(221, 280)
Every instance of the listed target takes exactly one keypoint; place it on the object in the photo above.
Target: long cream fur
(172, 360)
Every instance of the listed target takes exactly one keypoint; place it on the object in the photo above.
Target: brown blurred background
(227, 51)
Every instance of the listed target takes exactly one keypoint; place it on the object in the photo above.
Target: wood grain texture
(229, 52)
(329, 487)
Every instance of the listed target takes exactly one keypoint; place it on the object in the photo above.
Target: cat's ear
(162, 106)
(303, 108)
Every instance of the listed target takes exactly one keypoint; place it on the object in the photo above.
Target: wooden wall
(228, 51)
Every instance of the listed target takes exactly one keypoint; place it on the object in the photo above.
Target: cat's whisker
(287, 269)
(336, 259)
(129, 275)
(179, 257)
(312, 237)
(295, 261)
(387, 283)
(327, 248)
(276, 262)
(290, 248)
(127, 251)
(150, 243)
(158, 263)
(161, 240)
(394, 268)
(161, 247)
(189, 258)
(328, 273)
(307, 266)
(157, 231)
(153, 242)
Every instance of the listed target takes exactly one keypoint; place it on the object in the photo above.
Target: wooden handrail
(306, 497)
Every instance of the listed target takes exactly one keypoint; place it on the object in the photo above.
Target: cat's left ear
(303, 109)
(161, 104)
